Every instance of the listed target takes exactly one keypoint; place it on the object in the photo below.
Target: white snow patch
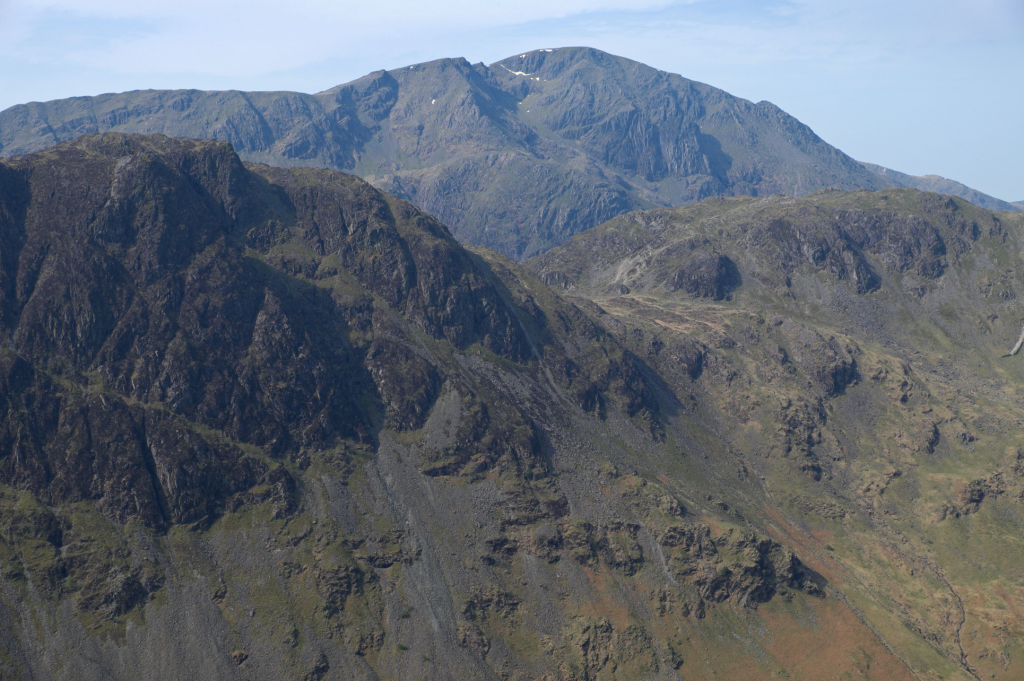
(545, 50)
(515, 73)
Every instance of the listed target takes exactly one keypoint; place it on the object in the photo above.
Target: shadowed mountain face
(126, 268)
(293, 412)
(761, 437)
(517, 156)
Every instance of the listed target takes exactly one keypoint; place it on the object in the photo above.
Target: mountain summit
(517, 156)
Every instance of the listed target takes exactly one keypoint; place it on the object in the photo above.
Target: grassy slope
(907, 482)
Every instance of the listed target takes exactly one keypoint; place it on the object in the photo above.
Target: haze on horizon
(921, 87)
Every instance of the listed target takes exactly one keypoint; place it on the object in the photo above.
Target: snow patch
(515, 73)
(432, 101)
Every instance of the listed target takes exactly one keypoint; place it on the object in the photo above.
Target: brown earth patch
(840, 647)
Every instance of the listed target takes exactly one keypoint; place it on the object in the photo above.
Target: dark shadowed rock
(706, 275)
(171, 275)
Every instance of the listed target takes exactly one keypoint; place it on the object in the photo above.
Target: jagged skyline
(922, 91)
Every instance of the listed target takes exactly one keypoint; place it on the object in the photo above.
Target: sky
(921, 86)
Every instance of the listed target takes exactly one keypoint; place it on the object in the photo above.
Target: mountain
(856, 348)
(940, 185)
(516, 156)
(294, 413)
(747, 438)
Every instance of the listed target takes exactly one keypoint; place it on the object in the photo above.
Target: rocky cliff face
(854, 348)
(272, 423)
(292, 412)
(517, 156)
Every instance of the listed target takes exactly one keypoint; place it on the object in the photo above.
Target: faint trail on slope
(864, 620)
(838, 593)
(963, 612)
(936, 570)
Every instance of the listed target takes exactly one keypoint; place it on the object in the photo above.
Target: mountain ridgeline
(517, 156)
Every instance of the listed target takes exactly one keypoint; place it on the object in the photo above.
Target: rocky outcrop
(745, 569)
(595, 645)
(830, 362)
(706, 275)
(1006, 482)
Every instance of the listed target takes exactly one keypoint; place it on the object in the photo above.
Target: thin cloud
(248, 38)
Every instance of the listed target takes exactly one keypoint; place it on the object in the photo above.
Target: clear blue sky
(922, 86)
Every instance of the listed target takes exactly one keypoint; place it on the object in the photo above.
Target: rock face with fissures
(291, 411)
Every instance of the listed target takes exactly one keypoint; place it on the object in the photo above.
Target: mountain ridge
(858, 289)
(942, 185)
(291, 410)
(511, 161)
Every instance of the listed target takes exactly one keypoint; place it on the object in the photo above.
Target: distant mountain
(517, 156)
(940, 185)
